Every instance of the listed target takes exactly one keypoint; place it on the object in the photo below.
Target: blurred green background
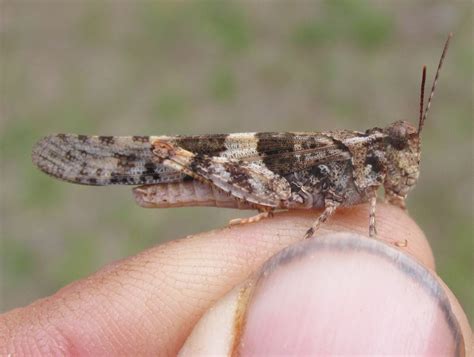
(126, 68)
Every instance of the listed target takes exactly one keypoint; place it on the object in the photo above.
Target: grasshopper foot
(253, 219)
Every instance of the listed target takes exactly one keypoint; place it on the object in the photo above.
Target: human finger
(149, 303)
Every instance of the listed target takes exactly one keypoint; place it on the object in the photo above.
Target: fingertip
(338, 294)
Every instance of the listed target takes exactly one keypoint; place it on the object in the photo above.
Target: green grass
(362, 25)
(223, 85)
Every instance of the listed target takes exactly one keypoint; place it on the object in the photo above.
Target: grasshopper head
(403, 144)
(402, 148)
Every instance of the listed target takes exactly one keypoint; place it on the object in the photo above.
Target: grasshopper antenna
(433, 87)
(422, 98)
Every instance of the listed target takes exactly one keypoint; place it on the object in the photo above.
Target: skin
(148, 304)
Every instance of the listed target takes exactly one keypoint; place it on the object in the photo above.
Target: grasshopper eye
(398, 136)
(398, 132)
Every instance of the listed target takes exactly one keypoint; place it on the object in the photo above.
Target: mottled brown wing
(129, 160)
(102, 160)
(252, 166)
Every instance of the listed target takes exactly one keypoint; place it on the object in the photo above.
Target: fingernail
(337, 294)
